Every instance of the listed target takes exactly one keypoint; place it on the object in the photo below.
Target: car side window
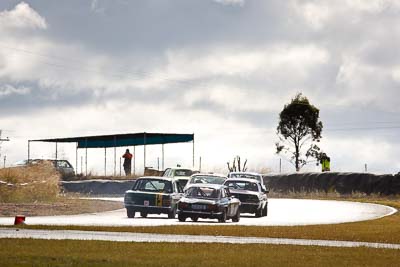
(62, 164)
(136, 184)
(166, 172)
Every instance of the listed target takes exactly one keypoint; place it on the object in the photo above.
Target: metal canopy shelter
(120, 140)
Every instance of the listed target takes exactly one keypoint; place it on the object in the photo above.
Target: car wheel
(259, 213)
(172, 214)
(181, 218)
(265, 210)
(130, 213)
(222, 219)
(195, 218)
(236, 218)
(143, 214)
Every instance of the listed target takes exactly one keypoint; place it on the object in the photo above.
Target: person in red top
(127, 162)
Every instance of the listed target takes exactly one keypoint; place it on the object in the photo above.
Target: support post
(193, 151)
(86, 157)
(56, 150)
(29, 150)
(280, 165)
(134, 160)
(115, 155)
(144, 153)
(105, 161)
(76, 159)
(162, 157)
(200, 164)
(158, 163)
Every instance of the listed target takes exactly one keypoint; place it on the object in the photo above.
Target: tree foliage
(240, 167)
(299, 128)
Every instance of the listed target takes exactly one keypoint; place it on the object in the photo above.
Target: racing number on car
(159, 200)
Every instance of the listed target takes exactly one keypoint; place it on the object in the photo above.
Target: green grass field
(25, 252)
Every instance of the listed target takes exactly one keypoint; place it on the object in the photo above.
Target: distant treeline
(329, 182)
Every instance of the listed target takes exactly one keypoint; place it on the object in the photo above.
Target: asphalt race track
(281, 212)
(143, 237)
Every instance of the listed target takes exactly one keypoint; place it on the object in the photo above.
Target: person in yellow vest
(325, 163)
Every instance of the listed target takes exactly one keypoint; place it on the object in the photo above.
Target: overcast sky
(222, 69)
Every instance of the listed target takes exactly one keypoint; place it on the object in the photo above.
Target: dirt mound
(343, 183)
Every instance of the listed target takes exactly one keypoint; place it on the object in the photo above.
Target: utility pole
(2, 140)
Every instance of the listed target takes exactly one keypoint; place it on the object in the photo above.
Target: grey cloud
(34, 99)
(137, 38)
(153, 25)
(7, 90)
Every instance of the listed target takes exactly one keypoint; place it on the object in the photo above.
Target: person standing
(127, 162)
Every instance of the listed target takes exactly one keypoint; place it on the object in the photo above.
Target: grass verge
(25, 252)
(60, 206)
(36, 182)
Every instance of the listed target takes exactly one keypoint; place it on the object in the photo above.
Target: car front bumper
(149, 209)
(246, 207)
(200, 214)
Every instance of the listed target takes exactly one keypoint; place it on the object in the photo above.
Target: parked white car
(182, 175)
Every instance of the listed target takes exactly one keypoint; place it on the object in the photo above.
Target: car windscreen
(242, 185)
(245, 175)
(183, 173)
(200, 179)
(153, 185)
(202, 192)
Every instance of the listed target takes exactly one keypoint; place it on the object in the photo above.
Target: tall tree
(299, 128)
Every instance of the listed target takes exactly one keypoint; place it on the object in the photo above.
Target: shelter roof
(120, 140)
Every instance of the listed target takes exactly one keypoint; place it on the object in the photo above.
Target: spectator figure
(127, 162)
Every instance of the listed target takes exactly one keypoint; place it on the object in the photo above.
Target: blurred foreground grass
(25, 252)
(33, 183)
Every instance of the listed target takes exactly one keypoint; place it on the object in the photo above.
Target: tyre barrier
(342, 183)
(97, 187)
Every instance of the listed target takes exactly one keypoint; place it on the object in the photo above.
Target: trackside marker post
(19, 219)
